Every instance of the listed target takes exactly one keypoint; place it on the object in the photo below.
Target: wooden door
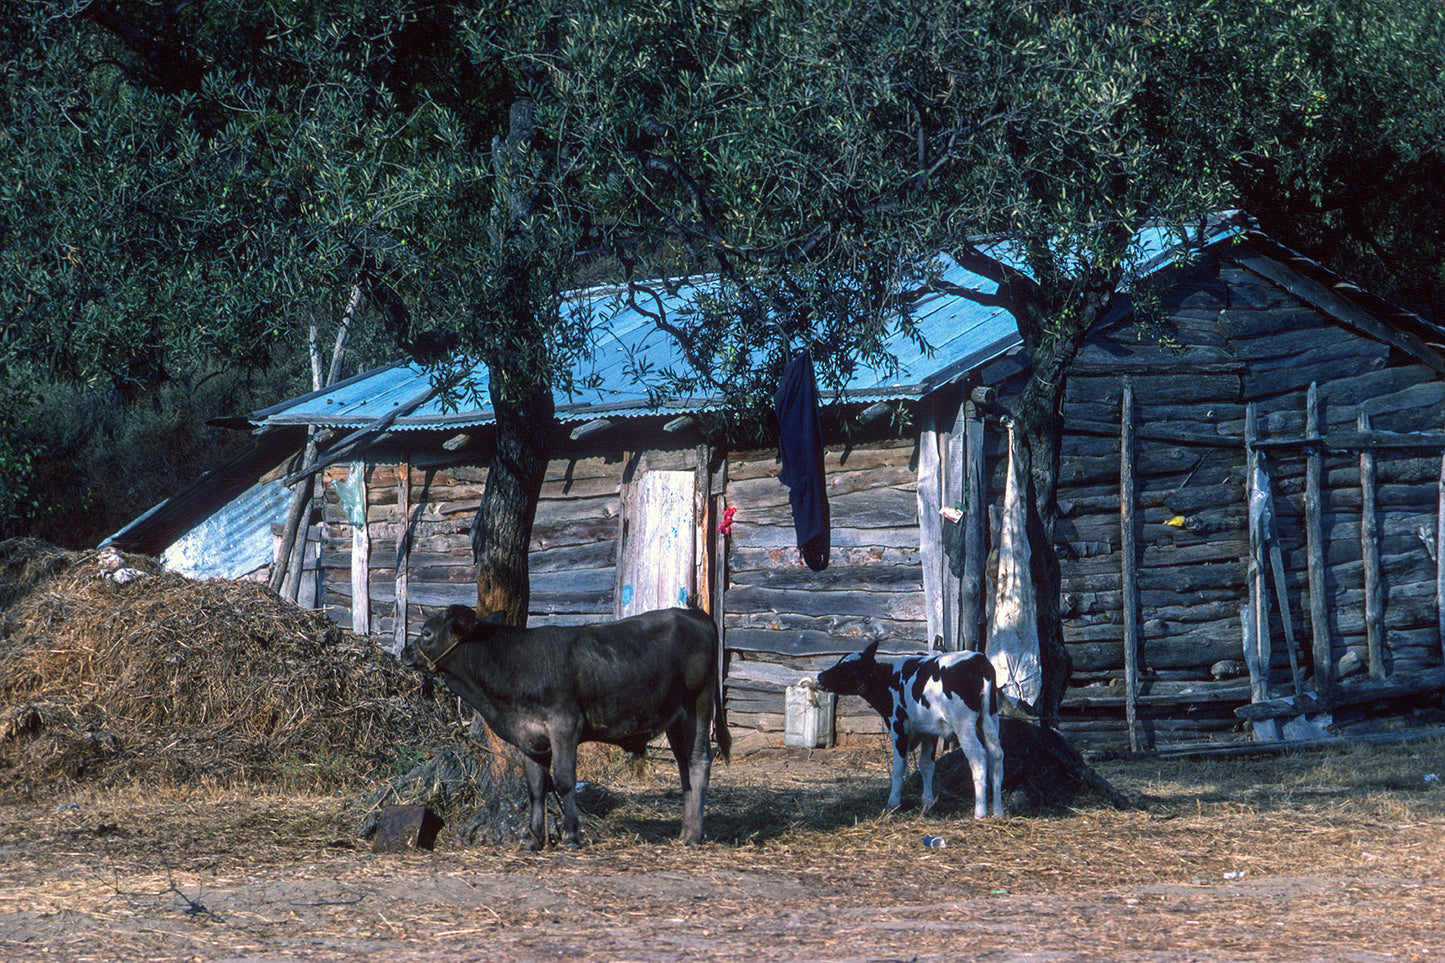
(656, 562)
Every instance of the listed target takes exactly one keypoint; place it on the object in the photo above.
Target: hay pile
(113, 671)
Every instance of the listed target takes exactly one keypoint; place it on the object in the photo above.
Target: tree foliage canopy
(191, 188)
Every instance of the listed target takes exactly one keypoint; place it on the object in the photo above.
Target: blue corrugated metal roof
(956, 335)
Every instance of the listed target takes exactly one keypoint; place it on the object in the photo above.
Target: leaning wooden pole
(1281, 588)
(1370, 557)
(403, 551)
(1129, 574)
(1315, 546)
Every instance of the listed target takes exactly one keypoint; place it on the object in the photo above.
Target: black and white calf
(926, 698)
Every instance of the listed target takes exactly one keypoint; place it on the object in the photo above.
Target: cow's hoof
(530, 845)
(571, 844)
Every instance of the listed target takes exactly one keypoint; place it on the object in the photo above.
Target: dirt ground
(1331, 855)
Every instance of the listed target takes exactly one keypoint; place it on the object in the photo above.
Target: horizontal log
(764, 463)
(1267, 351)
(892, 635)
(745, 535)
(1159, 694)
(1348, 694)
(854, 578)
(745, 558)
(797, 643)
(1187, 650)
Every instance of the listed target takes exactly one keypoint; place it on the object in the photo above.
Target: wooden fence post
(360, 558)
(1370, 557)
(1315, 546)
(1258, 660)
(1129, 576)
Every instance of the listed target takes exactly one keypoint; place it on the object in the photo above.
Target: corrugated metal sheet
(955, 333)
(236, 540)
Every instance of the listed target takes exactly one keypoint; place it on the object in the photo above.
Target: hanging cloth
(800, 446)
(1013, 636)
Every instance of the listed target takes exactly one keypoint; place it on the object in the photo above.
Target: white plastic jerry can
(808, 716)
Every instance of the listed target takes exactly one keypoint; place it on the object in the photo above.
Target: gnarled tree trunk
(502, 530)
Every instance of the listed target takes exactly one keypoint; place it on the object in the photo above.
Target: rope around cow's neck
(433, 663)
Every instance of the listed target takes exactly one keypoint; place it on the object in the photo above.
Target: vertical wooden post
(1440, 555)
(975, 503)
(930, 523)
(952, 495)
(1129, 575)
(1258, 660)
(1370, 557)
(403, 549)
(360, 560)
(1315, 546)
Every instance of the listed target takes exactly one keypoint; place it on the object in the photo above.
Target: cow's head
(439, 637)
(852, 673)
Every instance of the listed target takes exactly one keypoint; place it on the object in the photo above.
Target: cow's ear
(495, 618)
(870, 653)
(462, 618)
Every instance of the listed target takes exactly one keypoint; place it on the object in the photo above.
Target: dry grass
(180, 765)
(1341, 856)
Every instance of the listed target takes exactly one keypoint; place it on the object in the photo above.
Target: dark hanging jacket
(800, 446)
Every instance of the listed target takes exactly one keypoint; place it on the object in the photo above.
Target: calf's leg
(926, 747)
(900, 768)
(537, 777)
(993, 748)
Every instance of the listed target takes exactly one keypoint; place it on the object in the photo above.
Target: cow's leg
(978, 764)
(536, 770)
(688, 738)
(900, 767)
(564, 780)
(993, 747)
(926, 746)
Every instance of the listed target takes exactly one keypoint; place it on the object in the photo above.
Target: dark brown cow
(545, 690)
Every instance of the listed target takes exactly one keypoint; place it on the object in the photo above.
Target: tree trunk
(1039, 448)
(1040, 419)
(502, 530)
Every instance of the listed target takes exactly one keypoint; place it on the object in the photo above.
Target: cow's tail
(720, 723)
(719, 706)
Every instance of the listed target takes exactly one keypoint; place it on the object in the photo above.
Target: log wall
(784, 621)
(1231, 339)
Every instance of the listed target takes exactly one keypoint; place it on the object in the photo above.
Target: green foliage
(208, 188)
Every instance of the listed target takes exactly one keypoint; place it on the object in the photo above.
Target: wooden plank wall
(574, 541)
(573, 560)
(784, 621)
(1236, 339)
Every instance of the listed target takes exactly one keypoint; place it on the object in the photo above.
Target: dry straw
(162, 679)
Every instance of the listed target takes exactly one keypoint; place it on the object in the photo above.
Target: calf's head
(852, 674)
(440, 636)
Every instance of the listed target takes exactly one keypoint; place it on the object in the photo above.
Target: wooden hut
(1259, 379)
